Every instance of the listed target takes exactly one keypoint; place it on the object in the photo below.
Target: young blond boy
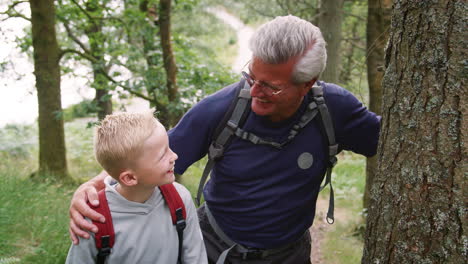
(133, 148)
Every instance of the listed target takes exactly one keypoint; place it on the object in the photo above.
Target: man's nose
(256, 90)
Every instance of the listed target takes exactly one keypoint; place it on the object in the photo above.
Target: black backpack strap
(327, 125)
(178, 213)
(233, 118)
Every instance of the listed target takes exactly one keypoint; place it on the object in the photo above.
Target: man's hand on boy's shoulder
(79, 208)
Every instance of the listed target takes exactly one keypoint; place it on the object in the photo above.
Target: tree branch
(119, 84)
(11, 11)
(81, 54)
(75, 39)
(84, 11)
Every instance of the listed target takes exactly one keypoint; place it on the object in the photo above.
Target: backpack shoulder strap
(329, 130)
(178, 212)
(233, 118)
(105, 236)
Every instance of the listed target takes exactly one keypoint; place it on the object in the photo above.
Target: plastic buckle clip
(215, 152)
(180, 224)
(253, 254)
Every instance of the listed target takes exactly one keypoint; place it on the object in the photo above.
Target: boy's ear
(127, 177)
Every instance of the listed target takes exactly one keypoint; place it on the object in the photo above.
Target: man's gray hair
(286, 37)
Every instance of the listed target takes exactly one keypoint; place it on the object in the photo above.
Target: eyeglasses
(268, 89)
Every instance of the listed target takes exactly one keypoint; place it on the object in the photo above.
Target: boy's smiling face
(155, 164)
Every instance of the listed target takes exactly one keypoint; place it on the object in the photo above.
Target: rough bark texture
(168, 56)
(418, 210)
(378, 28)
(329, 23)
(52, 158)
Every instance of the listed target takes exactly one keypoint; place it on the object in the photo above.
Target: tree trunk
(329, 23)
(378, 24)
(417, 212)
(96, 43)
(168, 56)
(52, 153)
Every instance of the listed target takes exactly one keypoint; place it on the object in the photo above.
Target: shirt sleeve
(83, 253)
(191, 137)
(193, 251)
(357, 129)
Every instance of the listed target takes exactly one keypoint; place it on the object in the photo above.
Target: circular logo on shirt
(305, 160)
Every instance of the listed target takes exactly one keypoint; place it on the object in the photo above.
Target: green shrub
(85, 108)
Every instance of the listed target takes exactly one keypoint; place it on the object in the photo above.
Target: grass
(33, 218)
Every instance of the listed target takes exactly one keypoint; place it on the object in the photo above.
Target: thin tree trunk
(96, 42)
(52, 152)
(330, 24)
(168, 56)
(417, 212)
(378, 27)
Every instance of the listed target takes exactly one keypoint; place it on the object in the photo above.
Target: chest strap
(232, 128)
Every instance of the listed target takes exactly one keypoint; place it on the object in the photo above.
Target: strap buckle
(254, 254)
(180, 224)
(104, 252)
(319, 100)
(215, 152)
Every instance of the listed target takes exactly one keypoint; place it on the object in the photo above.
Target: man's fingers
(75, 231)
(73, 237)
(91, 214)
(93, 196)
(81, 224)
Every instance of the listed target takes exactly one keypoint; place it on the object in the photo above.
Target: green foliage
(18, 141)
(353, 68)
(80, 154)
(85, 108)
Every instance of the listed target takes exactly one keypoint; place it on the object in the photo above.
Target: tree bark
(52, 152)
(417, 212)
(168, 55)
(378, 24)
(96, 43)
(329, 23)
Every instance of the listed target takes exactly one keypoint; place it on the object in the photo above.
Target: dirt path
(317, 231)
(320, 227)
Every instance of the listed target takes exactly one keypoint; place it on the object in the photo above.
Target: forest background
(169, 55)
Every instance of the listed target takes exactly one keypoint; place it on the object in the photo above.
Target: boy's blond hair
(119, 139)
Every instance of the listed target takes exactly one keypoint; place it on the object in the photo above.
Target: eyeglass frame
(274, 90)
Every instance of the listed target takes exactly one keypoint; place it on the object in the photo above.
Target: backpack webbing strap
(327, 123)
(178, 213)
(240, 104)
(308, 116)
(105, 236)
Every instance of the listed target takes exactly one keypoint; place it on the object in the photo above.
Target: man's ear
(307, 86)
(128, 178)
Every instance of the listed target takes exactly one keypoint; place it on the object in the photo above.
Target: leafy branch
(12, 12)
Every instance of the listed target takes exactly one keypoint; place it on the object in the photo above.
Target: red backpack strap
(178, 213)
(105, 236)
